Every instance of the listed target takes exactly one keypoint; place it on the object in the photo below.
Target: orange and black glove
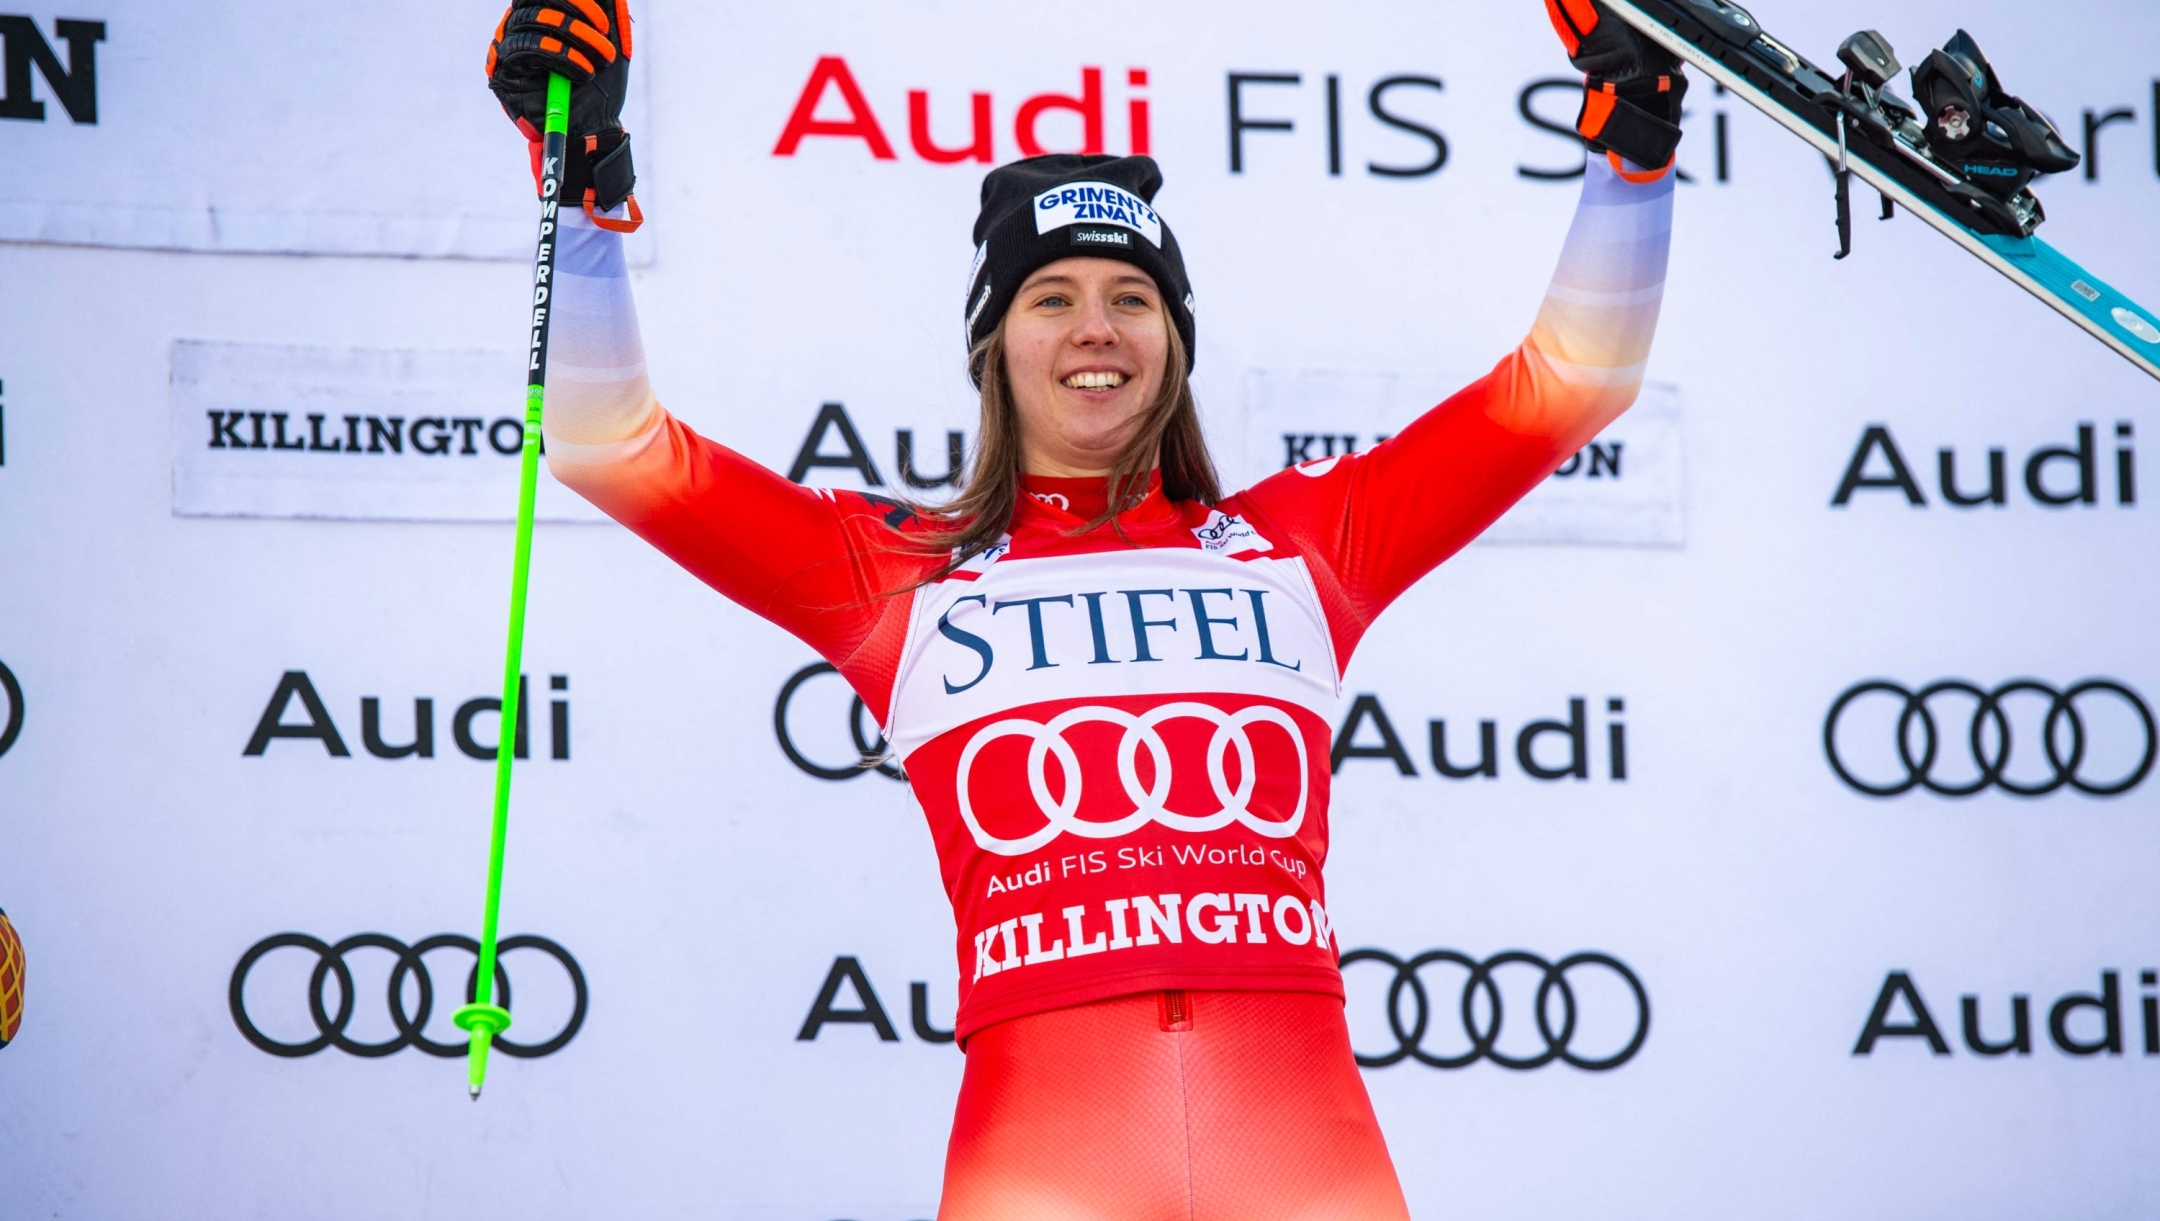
(587, 41)
(1632, 87)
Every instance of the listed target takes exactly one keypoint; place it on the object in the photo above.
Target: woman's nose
(1094, 329)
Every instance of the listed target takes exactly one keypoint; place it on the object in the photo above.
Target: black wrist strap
(610, 174)
(1613, 122)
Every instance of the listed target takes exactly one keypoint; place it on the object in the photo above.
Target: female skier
(1111, 685)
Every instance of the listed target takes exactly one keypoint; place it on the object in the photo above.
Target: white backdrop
(154, 592)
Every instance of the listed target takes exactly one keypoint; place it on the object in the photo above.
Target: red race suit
(1119, 738)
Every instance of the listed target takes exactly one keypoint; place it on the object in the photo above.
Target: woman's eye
(1053, 301)
(1134, 301)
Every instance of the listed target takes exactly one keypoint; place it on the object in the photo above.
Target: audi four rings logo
(870, 745)
(1610, 1013)
(12, 724)
(1149, 799)
(1955, 739)
(411, 1026)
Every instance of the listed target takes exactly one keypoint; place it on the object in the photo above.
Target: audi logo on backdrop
(408, 975)
(2024, 737)
(11, 727)
(822, 718)
(1445, 1009)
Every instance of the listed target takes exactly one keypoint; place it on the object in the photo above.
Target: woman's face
(1086, 342)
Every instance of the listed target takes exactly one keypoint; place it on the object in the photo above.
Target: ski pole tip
(483, 1022)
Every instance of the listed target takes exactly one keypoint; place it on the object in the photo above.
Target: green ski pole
(482, 1020)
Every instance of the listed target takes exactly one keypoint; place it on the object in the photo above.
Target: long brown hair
(1167, 438)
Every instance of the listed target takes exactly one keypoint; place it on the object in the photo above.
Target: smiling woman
(1084, 353)
(1084, 379)
(1082, 359)
(1111, 686)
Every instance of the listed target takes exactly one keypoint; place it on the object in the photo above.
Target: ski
(1962, 159)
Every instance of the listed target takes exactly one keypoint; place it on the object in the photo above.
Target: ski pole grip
(558, 105)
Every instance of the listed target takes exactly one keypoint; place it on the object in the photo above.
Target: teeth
(1095, 381)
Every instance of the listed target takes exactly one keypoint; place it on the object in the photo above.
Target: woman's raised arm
(1377, 522)
(816, 562)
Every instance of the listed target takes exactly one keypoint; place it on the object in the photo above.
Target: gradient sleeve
(816, 562)
(1374, 523)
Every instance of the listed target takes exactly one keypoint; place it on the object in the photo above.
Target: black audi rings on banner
(1991, 765)
(330, 960)
(11, 725)
(1484, 1040)
(869, 743)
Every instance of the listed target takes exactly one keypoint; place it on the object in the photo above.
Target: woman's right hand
(1632, 87)
(588, 42)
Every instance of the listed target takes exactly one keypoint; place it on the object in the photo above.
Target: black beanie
(1071, 205)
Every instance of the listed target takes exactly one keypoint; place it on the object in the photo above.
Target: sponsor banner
(1622, 489)
(1790, 804)
(300, 157)
(357, 433)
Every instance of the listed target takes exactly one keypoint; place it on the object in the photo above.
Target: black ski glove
(586, 42)
(1632, 87)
